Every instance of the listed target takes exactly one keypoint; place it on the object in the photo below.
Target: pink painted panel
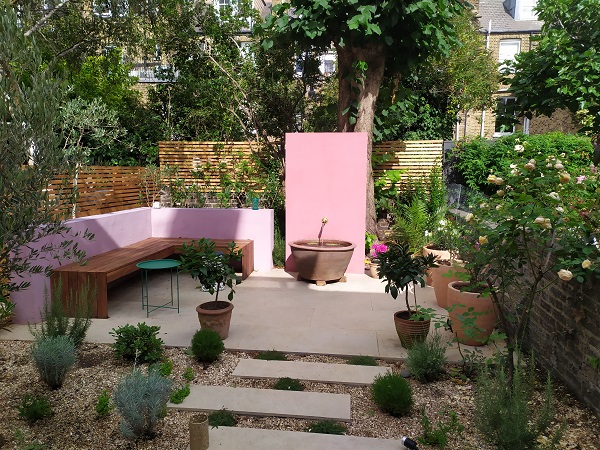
(220, 224)
(326, 177)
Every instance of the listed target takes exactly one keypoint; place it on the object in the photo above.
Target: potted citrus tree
(213, 270)
(400, 268)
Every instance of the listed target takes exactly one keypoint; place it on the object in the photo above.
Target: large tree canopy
(425, 103)
(563, 70)
(371, 38)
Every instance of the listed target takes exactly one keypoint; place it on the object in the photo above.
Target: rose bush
(541, 226)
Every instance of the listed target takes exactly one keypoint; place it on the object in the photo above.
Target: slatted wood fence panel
(206, 163)
(414, 158)
(101, 189)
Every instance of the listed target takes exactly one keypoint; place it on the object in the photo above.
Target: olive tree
(31, 158)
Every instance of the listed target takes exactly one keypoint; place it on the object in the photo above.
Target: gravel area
(74, 424)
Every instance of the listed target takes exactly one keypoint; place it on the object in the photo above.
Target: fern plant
(412, 223)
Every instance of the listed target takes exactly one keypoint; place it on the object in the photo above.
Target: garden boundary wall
(101, 189)
(563, 333)
(122, 228)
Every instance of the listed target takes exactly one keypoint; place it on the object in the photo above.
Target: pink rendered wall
(118, 229)
(325, 176)
(220, 224)
(112, 230)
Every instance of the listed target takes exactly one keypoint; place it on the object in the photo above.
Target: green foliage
(288, 384)
(165, 368)
(279, 248)
(562, 70)
(179, 395)
(426, 359)
(53, 357)
(327, 427)
(89, 130)
(221, 418)
(400, 268)
(362, 360)
(476, 157)
(439, 433)
(420, 211)
(503, 412)
(188, 374)
(6, 309)
(32, 93)
(34, 407)
(141, 401)
(54, 321)
(412, 224)
(271, 355)
(392, 394)
(209, 267)
(386, 187)
(23, 445)
(103, 405)
(537, 204)
(207, 345)
(424, 104)
(139, 344)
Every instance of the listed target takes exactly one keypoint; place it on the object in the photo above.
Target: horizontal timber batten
(414, 159)
(100, 189)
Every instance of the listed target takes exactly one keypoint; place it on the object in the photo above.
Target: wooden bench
(107, 267)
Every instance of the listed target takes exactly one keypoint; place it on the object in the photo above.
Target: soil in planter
(214, 306)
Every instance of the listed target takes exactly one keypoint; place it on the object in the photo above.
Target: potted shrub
(400, 269)
(214, 272)
(376, 249)
(471, 310)
(444, 242)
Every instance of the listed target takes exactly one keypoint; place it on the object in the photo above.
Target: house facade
(509, 26)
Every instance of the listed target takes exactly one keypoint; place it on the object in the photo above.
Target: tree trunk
(366, 95)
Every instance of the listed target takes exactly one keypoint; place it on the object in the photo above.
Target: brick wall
(564, 334)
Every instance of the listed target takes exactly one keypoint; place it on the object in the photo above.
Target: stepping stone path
(235, 438)
(309, 371)
(267, 402)
(298, 404)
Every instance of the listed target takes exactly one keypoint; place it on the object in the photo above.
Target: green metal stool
(157, 264)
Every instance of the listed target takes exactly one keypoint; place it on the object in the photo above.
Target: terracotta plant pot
(483, 313)
(215, 316)
(440, 282)
(441, 255)
(199, 439)
(374, 270)
(410, 331)
(323, 262)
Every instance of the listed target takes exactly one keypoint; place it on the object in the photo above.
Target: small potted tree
(214, 272)
(400, 269)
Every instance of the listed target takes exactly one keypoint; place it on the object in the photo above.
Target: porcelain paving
(308, 371)
(272, 311)
(235, 438)
(267, 402)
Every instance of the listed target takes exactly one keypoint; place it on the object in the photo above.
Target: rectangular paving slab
(267, 402)
(235, 438)
(309, 371)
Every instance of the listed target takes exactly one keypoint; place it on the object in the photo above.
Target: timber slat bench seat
(107, 267)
